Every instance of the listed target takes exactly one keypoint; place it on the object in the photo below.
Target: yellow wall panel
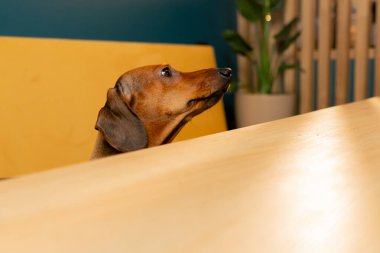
(51, 91)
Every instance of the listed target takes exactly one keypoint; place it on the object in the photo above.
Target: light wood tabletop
(309, 183)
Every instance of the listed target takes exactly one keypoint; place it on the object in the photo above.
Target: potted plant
(255, 102)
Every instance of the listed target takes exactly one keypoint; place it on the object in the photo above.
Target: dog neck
(163, 132)
(103, 148)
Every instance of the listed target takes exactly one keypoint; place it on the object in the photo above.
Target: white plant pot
(251, 109)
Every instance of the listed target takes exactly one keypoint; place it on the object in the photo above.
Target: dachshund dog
(149, 105)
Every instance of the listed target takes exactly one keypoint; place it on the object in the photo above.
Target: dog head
(149, 105)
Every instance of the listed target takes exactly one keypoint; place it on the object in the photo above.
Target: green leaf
(233, 86)
(258, 2)
(276, 3)
(236, 42)
(252, 10)
(285, 44)
(284, 38)
(286, 30)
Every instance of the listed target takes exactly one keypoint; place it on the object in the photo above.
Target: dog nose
(225, 72)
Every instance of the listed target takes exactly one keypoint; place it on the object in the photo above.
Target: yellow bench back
(52, 89)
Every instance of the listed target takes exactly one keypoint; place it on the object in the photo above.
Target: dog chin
(208, 102)
(213, 98)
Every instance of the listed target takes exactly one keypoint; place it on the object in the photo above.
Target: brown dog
(149, 105)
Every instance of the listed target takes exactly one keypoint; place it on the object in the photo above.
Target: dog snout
(225, 73)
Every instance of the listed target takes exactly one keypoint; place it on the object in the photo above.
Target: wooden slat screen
(363, 17)
(343, 50)
(334, 30)
(291, 11)
(324, 59)
(308, 8)
(377, 55)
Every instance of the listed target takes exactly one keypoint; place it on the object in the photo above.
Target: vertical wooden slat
(324, 47)
(343, 50)
(377, 56)
(363, 18)
(244, 66)
(307, 48)
(291, 11)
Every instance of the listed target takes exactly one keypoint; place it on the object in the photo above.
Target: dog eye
(166, 72)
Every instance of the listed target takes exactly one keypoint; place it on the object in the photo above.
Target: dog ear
(121, 128)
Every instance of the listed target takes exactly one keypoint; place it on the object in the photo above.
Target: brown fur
(147, 108)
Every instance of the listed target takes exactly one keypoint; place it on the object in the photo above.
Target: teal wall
(168, 21)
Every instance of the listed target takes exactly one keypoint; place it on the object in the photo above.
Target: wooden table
(310, 183)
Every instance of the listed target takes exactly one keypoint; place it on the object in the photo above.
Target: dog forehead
(150, 79)
(146, 70)
(141, 72)
(141, 75)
